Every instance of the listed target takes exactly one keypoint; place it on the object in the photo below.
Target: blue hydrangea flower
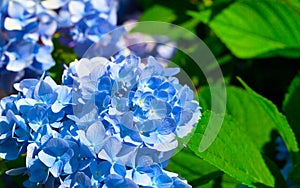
(110, 124)
(27, 117)
(55, 154)
(114, 180)
(38, 171)
(143, 105)
(27, 29)
(147, 173)
(86, 22)
(79, 179)
(81, 159)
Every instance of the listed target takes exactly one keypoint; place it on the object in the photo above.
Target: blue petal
(81, 180)
(56, 169)
(148, 126)
(119, 169)
(96, 135)
(56, 147)
(110, 150)
(25, 105)
(105, 84)
(158, 109)
(15, 10)
(185, 117)
(142, 179)
(44, 92)
(67, 156)
(114, 180)
(179, 183)
(129, 184)
(167, 126)
(164, 181)
(44, 57)
(38, 172)
(28, 83)
(47, 159)
(100, 169)
(9, 149)
(16, 171)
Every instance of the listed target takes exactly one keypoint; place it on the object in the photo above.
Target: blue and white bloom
(26, 39)
(83, 22)
(110, 124)
(27, 29)
(29, 116)
(139, 103)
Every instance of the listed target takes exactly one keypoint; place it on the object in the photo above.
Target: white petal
(141, 179)
(16, 66)
(100, 5)
(12, 24)
(77, 10)
(53, 4)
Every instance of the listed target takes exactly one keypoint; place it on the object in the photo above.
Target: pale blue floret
(55, 154)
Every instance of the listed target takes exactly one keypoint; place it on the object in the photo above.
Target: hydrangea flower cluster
(112, 123)
(82, 23)
(27, 29)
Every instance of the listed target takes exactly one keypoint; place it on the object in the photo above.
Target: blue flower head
(111, 123)
(27, 29)
(84, 22)
(55, 154)
(140, 104)
(28, 117)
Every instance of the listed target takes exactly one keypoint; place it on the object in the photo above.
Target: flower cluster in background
(283, 155)
(112, 123)
(27, 29)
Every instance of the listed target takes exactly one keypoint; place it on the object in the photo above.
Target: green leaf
(195, 169)
(62, 55)
(291, 106)
(205, 14)
(198, 172)
(258, 116)
(272, 118)
(295, 175)
(294, 4)
(224, 181)
(158, 13)
(253, 116)
(264, 28)
(229, 182)
(202, 16)
(3, 167)
(233, 152)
